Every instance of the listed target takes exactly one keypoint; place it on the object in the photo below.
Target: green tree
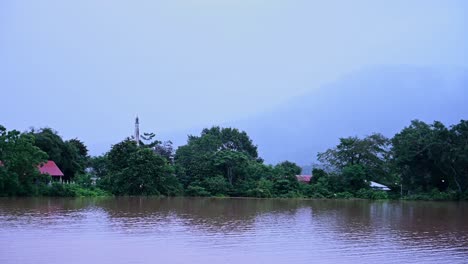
(287, 168)
(99, 166)
(146, 174)
(317, 175)
(371, 152)
(230, 162)
(354, 177)
(429, 156)
(132, 170)
(263, 189)
(70, 156)
(19, 161)
(217, 151)
(217, 185)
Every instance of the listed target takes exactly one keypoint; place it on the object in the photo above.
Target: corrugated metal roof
(303, 178)
(379, 186)
(50, 168)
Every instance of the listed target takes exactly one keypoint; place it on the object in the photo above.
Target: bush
(343, 195)
(284, 186)
(216, 185)
(72, 190)
(437, 195)
(171, 186)
(464, 196)
(380, 195)
(61, 190)
(9, 183)
(371, 194)
(434, 195)
(292, 194)
(320, 191)
(263, 189)
(83, 180)
(195, 190)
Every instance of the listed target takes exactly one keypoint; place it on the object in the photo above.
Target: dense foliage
(71, 156)
(19, 160)
(423, 161)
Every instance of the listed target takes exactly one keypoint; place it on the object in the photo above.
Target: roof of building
(303, 178)
(50, 168)
(379, 186)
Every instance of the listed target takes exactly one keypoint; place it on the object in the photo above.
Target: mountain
(381, 99)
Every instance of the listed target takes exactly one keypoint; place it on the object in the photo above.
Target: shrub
(379, 195)
(216, 185)
(343, 195)
(72, 190)
(371, 194)
(262, 189)
(61, 190)
(195, 190)
(83, 180)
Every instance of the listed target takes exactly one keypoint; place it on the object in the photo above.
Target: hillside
(381, 99)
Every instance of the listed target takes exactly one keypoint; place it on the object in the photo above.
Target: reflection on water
(206, 230)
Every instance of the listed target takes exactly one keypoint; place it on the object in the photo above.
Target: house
(304, 178)
(378, 186)
(51, 168)
(48, 167)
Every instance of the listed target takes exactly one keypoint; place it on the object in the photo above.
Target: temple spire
(137, 131)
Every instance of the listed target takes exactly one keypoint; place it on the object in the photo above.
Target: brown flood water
(198, 230)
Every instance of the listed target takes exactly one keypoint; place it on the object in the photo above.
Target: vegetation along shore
(422, 162)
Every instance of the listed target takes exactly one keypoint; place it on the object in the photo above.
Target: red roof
(304, 178)
(50, 168)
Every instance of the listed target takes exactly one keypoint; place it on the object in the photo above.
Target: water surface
(207, 230)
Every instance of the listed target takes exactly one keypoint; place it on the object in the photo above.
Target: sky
(87, 68)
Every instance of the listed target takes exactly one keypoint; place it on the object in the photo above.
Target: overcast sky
(87, 67)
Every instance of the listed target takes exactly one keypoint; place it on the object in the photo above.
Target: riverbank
(75, 190)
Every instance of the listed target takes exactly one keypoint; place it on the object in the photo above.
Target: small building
(378, 186)
(52, 169)
(304, 178)
(48, 167)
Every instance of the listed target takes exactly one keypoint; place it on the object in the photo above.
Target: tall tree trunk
(229, 174)
(455, 178)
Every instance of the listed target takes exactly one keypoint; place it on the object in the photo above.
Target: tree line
(422, 161)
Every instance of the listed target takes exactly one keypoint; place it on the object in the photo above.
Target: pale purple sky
(86, 68)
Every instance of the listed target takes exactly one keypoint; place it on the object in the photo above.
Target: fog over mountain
(380, 99)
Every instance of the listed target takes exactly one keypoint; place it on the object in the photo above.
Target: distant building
(378, 186)
(51, 168)
(137, 131)
(303, 178)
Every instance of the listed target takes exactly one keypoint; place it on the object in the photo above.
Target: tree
(287, 168)
(317, 175)
(230, 162)
(216, 185)
(456, 159)
(371, 152)
(99, 166)
(71, 156)
(164, 149)
(118, 156)
(133, 170)
(145, 173)
(354, 177)
(19, 161)
(217, 151)
(429, 156)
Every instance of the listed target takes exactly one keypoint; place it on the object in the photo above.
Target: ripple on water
(135, 230)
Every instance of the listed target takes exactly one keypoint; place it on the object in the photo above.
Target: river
(209, 230)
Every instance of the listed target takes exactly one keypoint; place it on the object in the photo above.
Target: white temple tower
(137, 131)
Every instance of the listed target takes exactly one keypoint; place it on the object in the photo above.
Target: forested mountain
(379, 99)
